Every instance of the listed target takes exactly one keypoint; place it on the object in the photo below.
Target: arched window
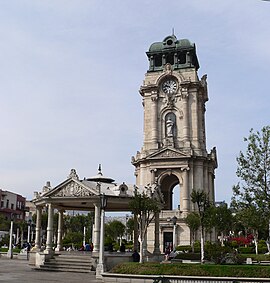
(176, 197)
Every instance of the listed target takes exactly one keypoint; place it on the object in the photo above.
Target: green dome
(170, 42)
(178, 53)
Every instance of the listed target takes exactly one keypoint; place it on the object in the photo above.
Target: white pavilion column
(49, 249)
(157, 243)
(96, 235)
(185, 192)
(59, 231)
(38, 228)
(101, 266)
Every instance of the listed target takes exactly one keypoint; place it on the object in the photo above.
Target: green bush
(234, 244)
(15, 250)
(186, 248)
(180, 269)
(116, 247)
(246, 250)
(188, 256)
(222, 255)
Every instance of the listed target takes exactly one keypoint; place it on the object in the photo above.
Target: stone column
(38, 228)
(174, 237)
(200, 120)
(205, 180)
(186, 137)
(59, 231)
(49, 249)
(153, 176)
(96, 235)
(154, 99)
(157, 243)
(211, 186)
(185, 191)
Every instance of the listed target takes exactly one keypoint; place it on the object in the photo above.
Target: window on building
(182, 58)
(158, 61)
(12, 206)
(170, 58)
(7, 204)
(2, 203)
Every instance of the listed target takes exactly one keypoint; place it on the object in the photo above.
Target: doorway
(167, 240)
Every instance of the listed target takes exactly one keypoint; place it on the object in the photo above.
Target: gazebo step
(64, 269)
(69, 263)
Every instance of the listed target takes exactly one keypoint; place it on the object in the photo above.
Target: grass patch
(149, 268)
(5, 250)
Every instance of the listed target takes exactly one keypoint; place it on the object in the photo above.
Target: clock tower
(174, 147)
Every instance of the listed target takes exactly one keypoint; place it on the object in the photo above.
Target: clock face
(169, 86)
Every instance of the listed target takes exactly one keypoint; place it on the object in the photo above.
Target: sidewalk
(14, 270)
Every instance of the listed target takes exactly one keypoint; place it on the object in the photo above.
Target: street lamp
(84, 232)
(100, 266)
(10, 250)
(29, 230)
(174, 220)
(126, 227)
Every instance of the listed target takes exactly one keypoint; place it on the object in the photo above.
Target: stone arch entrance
(167, 185)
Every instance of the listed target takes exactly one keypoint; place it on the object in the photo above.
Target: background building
(12, 205)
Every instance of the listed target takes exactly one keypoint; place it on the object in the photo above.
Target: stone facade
(174, 147)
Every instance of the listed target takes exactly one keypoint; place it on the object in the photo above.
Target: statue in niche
(169, 127)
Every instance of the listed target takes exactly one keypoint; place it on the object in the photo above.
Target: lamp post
(10, 251)
(126, 227)
(174, 219)
(29, 230)
(100, 266)
(84, 232)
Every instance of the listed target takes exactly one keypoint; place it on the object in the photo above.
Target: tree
(130, 227)
(144, 208)
(223, 220)
(251, 219)
(254, 172)
(4, 223)
(114, 229)
(201, 199)
(193, 222)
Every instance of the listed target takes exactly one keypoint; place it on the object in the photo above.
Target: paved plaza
(18, 271)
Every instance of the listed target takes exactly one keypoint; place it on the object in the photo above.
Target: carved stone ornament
(157, 194)
(73, 190)
(168, 68)
(73, 174)
(168, 153)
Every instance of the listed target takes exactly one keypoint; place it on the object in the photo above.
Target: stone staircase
(69, 263)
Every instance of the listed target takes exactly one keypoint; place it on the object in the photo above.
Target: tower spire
(99, 170)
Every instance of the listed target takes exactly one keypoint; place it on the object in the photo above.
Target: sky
(71, 70)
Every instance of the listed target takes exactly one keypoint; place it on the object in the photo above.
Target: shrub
(246, 250)
(183, 248)
(251, 271)
(222, 255)
(188, 256)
